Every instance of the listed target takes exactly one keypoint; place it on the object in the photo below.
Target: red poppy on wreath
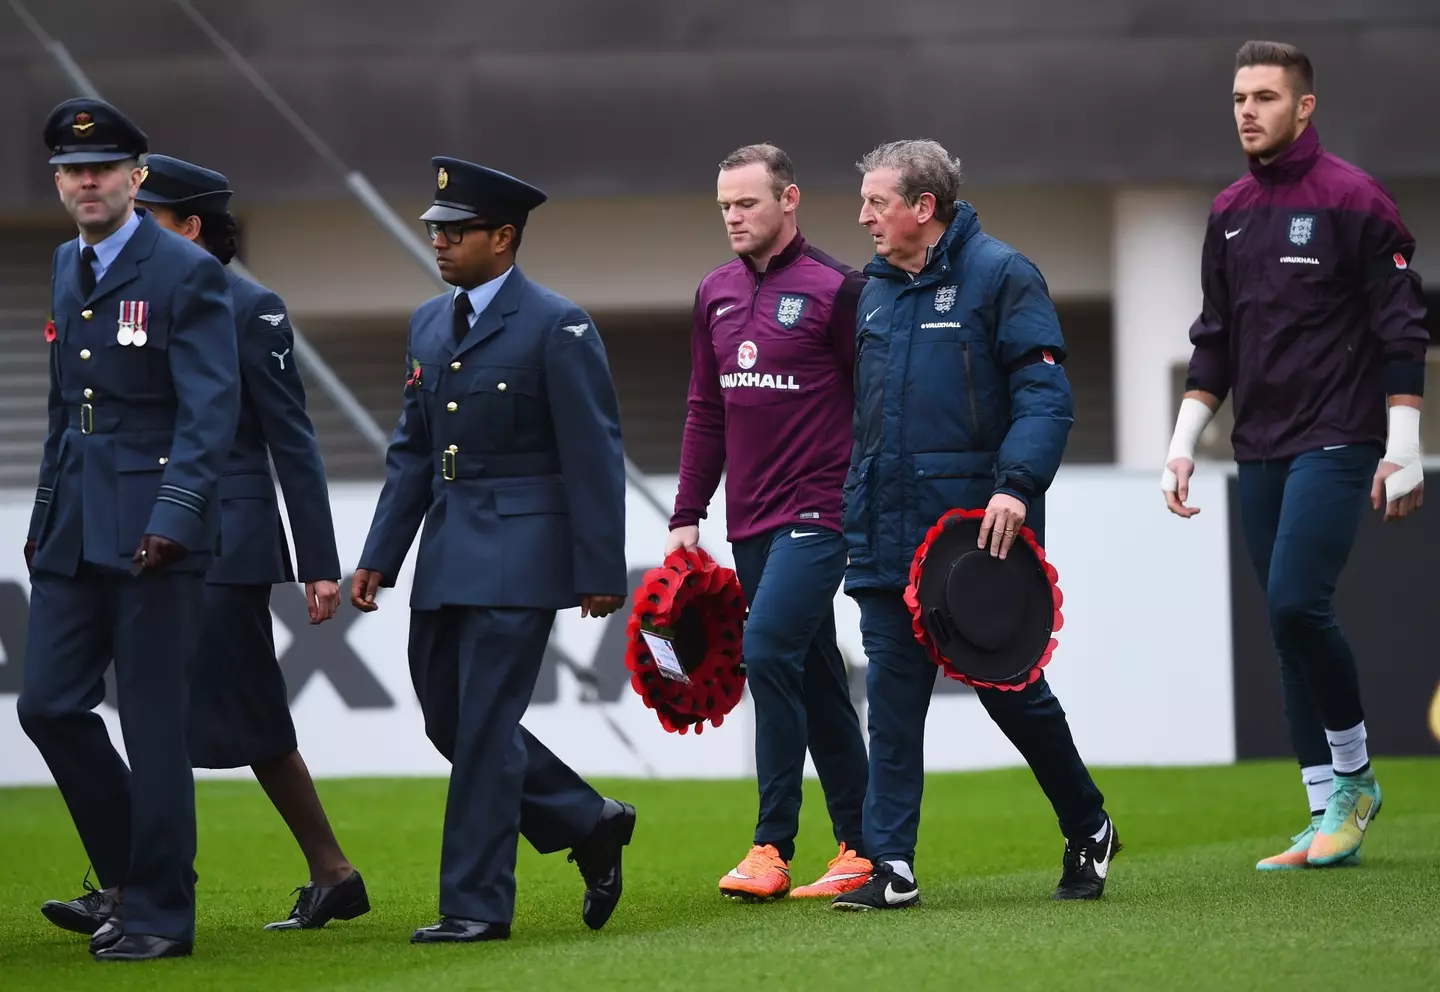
(50, 331)
(683, 641)
(986, 621)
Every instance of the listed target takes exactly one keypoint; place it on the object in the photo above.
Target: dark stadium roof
(647, 95)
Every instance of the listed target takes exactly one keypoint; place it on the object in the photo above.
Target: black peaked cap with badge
(184, 186)
(466, 191)
(85, 130)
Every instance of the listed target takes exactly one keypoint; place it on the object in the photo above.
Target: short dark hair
(1277, 53)
(776, 162)
(219, 234)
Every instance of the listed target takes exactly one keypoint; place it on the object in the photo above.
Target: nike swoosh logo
(723, 309)
(735, 873)
(1335, 447)
(809, 533)
(897, 898)
(1231, 234)
(1364, 821)
(874, 312)
(842, 878)
(1102, 866)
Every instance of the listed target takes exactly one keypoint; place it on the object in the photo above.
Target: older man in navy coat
(144, 400)
(508, 450)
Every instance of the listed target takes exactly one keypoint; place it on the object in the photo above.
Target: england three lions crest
(944, 299)
(1302, 229)
(789, 310)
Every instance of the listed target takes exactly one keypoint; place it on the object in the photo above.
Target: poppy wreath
(699, 606)
(922, 633)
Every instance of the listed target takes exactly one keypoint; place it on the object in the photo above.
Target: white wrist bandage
(1193, 419)
(1403, 449)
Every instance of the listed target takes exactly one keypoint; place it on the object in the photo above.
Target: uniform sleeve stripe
(177, 495)
(192, 509)
(187, 492)
(184, 493)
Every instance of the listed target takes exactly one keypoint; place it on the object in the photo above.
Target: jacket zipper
(974, 406)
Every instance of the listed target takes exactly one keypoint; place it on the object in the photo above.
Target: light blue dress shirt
(108, 250)
(481, 295)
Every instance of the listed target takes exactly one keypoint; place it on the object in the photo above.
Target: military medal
(133, 314)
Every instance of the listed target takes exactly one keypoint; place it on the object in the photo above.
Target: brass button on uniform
(87, 314)
(453, 448)
(455, 366)
(452, 406)
(164, 460)
(89, 394)
(501, 387)
(84, 354)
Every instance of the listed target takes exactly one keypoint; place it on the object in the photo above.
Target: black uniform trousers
(474, 670)
(137, 824)
(239, 711)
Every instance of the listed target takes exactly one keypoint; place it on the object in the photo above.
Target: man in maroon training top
(1314, 320)
(772, 353)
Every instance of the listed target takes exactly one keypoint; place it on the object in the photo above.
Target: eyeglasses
(454, 231)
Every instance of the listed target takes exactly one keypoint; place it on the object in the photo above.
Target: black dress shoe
(109, 932)
(141, 947)
(319, 904)
(453, 930)
(599, 862)
(83, 915)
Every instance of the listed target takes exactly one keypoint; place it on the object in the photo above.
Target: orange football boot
(762, 876)
(847, 872)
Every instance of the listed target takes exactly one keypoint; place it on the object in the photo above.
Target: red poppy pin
(414, 379)
(1400, 262)
(50, 330)
(1049, 358)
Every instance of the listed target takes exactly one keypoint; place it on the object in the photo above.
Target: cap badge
(443, 179)
(83, 125)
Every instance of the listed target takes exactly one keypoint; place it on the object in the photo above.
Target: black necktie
(461, 321)
(87, 272)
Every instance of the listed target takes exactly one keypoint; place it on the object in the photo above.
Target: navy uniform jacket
(137, 435)
(273, 425)
(508, 448)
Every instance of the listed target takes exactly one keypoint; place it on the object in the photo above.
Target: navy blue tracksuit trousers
(1300, 516)
(900, 680)
(797, 680)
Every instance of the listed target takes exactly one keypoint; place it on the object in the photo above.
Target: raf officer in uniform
(508, 450)
(144, 400)
(239, 711)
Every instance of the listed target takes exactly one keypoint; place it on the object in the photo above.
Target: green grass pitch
(1185, 908)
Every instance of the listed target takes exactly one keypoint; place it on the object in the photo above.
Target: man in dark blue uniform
(239, 712)
(144, 400)
(508, 449)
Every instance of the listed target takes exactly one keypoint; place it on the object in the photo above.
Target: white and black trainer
(884, 889)
(1087, 862)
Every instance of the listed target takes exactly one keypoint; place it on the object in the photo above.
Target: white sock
(1101, 832)
(1319, 783)
(1347, 749)
(903, 870)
